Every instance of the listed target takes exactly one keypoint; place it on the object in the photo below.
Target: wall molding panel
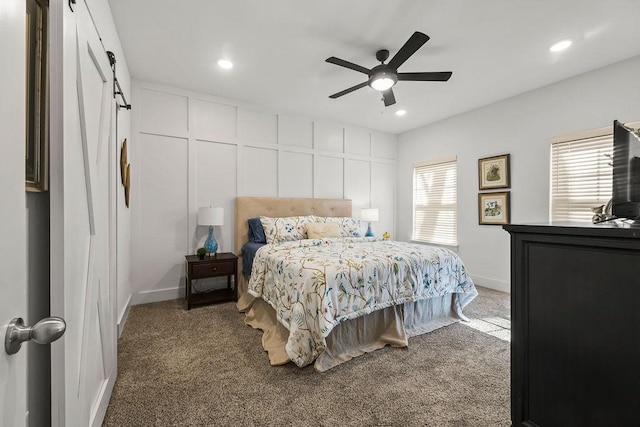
(227, 149)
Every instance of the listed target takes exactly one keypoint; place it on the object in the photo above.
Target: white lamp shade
(210, 216)
(369, 215)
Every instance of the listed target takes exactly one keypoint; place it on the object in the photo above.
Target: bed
(329, 299)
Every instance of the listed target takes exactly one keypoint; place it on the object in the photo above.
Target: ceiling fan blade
(439, 76)
(388, 97)
(414, 43)
(346, 91)
(347, 64)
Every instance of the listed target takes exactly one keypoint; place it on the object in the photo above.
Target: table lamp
(210, 216)
(369, 215)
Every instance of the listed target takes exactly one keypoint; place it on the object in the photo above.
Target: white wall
(195, 150)
(521, 126)
(103, 19)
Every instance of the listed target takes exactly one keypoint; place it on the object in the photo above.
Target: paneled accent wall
(196, 150)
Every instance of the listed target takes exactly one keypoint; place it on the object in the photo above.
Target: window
(581, 175)
(435, 202)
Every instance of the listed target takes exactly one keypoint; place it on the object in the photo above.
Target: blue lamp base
(211, 245)
(369, 233)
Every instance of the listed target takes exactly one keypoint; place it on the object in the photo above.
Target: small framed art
(494, 208)
(494, 172)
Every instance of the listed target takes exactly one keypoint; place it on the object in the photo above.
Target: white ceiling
(495, 48)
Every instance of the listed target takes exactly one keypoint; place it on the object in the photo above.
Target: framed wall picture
(494, 208)
(37, 98)
(494, 172)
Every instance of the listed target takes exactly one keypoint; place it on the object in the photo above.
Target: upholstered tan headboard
(252, 207)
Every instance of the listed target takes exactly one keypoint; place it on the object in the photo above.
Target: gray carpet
(205, 367)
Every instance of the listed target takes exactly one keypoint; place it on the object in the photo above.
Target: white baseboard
(487, 282)
(158, 295)
(122, 319)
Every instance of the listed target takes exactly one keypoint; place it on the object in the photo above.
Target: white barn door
(13, 251)
(82, 290)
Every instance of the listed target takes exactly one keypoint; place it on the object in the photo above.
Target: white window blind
(435, 202)
(581, 177)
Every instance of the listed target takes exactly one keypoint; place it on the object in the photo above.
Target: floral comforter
(315, 284)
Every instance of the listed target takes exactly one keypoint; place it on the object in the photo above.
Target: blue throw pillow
(256, 232)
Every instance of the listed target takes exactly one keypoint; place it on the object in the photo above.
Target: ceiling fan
(382, 77)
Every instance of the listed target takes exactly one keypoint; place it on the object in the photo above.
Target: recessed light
(401, 112)
(225, 63)
(562, 45)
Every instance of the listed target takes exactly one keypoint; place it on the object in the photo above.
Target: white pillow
(349, 226)
(285, 229)
(319, 230)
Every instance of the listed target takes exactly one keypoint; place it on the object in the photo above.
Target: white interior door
(82, 291)
(13, 280)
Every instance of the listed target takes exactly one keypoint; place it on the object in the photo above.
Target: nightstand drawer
(213, 269)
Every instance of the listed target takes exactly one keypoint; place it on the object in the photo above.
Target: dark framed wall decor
(494, 172)
(494, 208)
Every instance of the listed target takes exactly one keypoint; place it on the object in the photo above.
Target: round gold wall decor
(127, 185)
(123, 161)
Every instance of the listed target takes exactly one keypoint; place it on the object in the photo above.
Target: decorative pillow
(349, 226)
(285, 229)
(256, 232)
(318, 230)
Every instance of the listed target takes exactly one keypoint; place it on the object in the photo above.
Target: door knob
(45, 331)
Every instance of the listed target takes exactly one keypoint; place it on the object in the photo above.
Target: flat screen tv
(626, 172)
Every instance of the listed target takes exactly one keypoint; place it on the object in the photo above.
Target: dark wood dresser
(575, 312)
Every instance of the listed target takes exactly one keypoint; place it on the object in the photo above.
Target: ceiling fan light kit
(382, 81)
(384, 76)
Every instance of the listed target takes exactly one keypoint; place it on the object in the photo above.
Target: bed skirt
(391, 326)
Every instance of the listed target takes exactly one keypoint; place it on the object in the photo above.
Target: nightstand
(220, 264)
